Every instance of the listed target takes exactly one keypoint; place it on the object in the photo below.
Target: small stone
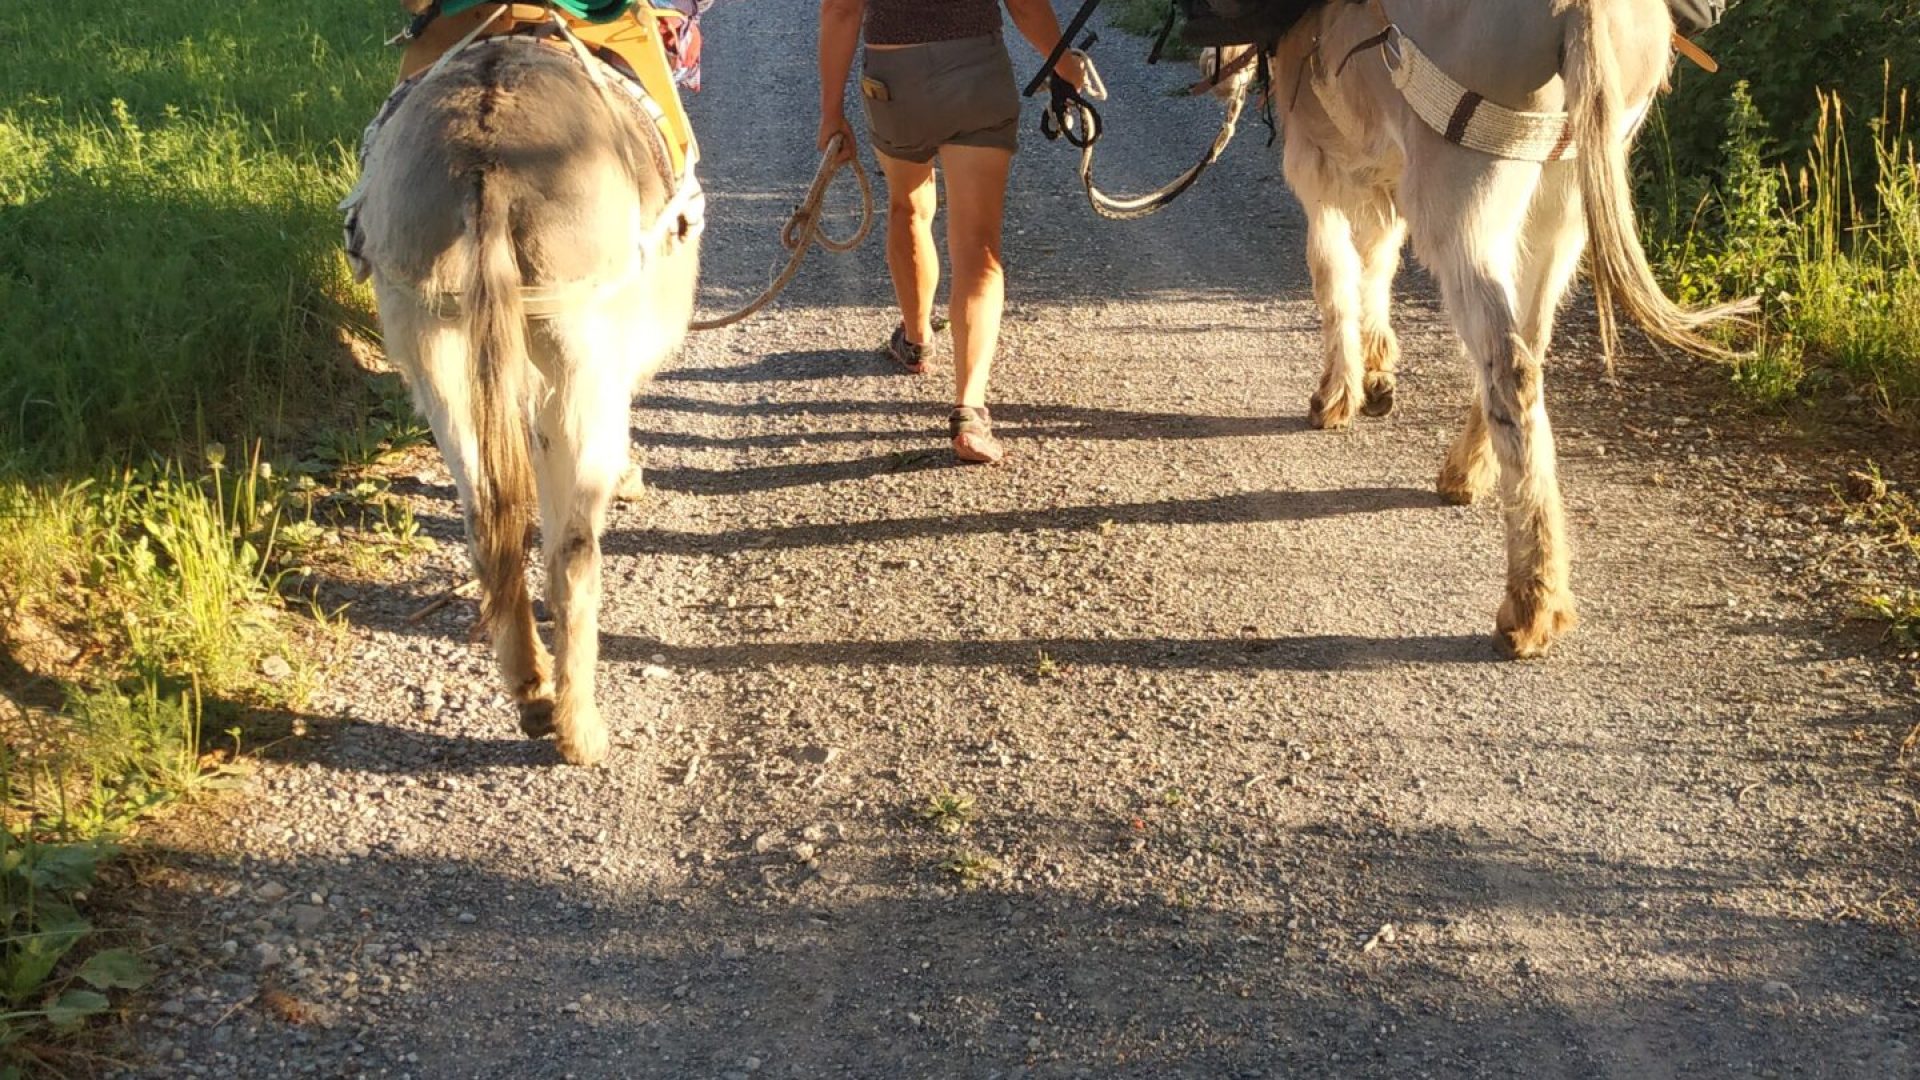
(466, 918)
(816, 755)
(276, 668)
(271, 893)
(752, 1064)
(307, 918)
(766, 842)
(655, 671)
(804, 852)
(267, 954)
(1774, 988)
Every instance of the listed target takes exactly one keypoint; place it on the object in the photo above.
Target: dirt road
(1251, 792)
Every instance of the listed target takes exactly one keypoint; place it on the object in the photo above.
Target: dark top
(917, 22)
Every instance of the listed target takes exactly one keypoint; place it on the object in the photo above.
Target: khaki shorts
(944, 93)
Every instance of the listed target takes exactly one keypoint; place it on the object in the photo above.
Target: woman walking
(938, 84)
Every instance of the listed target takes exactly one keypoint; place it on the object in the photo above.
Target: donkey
(1502, 236)
(531, 273)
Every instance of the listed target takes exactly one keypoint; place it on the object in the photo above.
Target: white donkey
(534, 258)
(1501, 186)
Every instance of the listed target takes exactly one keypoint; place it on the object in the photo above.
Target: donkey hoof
(1329, 416)
(1379, 400)
(1530, 624)
(1461, 486)
(632, 487)
(536, 718)
(586, 744)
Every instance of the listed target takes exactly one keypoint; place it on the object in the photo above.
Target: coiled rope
(803, 230)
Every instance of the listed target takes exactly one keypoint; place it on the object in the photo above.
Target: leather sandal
(906, 355)
(973, 441)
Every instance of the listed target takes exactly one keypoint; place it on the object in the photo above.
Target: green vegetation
(169, 282)
(168, 244)
(1787, 51)
(946, 812)
(969, 869)
(1836, 266)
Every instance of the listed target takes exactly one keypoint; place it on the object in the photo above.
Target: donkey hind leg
(1381, 234)
(1334, 259)
(1549, 256)
(432, 355)
(1472, 224)
(581, 456)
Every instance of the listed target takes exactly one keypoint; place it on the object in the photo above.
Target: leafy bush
(1786, 51)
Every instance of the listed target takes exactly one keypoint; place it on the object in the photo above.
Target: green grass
(1836, 264)
(168, 246)
(170, 281)
(1144, 18)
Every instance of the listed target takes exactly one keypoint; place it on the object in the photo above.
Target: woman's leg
(976, 178)
(911, 258)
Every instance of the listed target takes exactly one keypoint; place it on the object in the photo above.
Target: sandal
(973, 441)
(907, 356)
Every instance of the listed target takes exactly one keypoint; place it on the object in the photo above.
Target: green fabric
(594, 11)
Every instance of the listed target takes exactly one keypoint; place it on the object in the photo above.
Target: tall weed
(1837, 269)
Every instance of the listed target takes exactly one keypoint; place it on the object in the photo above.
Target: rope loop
(803, 230)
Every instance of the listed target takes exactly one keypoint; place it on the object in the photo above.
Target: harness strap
(1376, 41)
(1461, 116)
(1221, 74)
(1467, 118)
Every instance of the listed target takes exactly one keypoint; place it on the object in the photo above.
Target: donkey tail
(499, 389)
(1621, 274)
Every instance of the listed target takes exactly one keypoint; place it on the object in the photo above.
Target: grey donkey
(534, 263)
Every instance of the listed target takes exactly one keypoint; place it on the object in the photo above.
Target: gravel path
(1252, 794)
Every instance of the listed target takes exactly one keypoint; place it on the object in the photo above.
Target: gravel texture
(1252, 792)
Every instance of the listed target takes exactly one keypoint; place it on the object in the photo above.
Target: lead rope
(803, 229)
(1071, 116)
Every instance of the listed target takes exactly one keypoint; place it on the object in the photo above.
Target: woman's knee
(914, 206)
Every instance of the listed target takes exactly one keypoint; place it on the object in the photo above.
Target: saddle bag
(1207, 24)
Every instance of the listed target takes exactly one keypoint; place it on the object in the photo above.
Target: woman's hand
(836, 124)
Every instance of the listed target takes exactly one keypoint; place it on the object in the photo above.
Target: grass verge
(169, 280)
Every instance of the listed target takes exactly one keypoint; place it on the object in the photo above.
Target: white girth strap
(1462, 116)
